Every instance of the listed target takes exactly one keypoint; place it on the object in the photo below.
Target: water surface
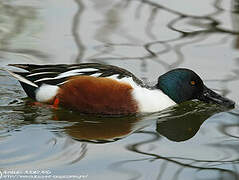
(147, 37)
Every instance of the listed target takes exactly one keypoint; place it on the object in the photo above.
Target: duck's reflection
(97, 129)
(183, 122)
(179, 123)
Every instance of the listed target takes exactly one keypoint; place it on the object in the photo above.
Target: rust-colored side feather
(93, 95)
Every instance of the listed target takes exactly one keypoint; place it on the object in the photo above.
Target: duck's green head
(183, 84)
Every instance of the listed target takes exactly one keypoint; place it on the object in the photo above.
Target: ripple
(46, 151)
(232, 130)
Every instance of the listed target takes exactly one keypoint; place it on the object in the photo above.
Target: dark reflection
(178, 123)
(184, 121)
(99, 129)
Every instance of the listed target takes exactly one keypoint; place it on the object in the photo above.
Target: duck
(93, 88)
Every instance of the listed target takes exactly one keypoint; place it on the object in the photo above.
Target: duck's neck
(170, 88)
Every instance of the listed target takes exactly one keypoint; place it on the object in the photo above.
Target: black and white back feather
(58, 74)
(37, 75)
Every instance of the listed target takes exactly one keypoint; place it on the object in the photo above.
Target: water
(147, 37)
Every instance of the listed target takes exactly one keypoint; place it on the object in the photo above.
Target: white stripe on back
(40, 73)
(57, 77)
(74, 72)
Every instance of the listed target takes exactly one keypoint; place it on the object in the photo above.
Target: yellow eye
(193, 83)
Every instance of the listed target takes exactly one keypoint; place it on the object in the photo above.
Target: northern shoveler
(105, 89)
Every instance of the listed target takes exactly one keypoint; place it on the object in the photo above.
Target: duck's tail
(28, 86)
(19, 76)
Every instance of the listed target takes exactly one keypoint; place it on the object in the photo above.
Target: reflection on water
(178, 123)
(99, 129)
(147, 37)
(184, 121)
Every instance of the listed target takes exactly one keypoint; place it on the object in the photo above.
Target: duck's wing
(36, 75)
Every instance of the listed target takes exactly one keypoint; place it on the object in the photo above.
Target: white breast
(148, 100)
(151, 100)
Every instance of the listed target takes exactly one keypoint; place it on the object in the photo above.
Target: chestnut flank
(97, 95)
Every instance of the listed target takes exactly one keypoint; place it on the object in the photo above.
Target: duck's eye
(193, 83)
